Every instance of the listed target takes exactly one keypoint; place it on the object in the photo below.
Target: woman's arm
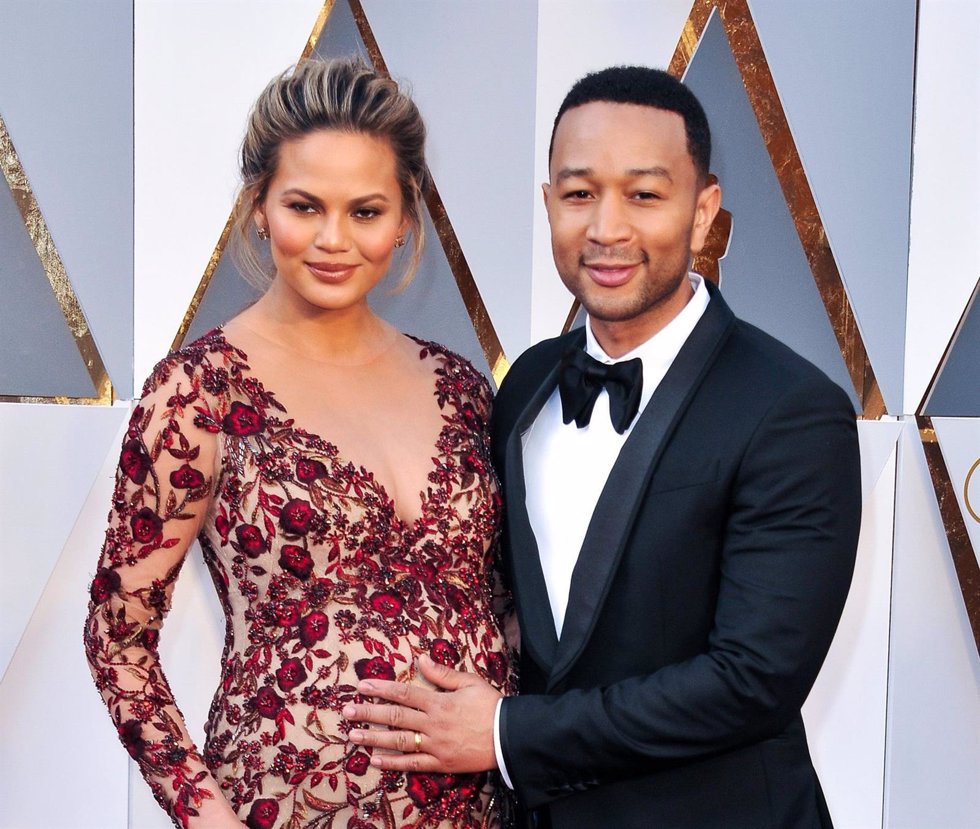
(164, 485)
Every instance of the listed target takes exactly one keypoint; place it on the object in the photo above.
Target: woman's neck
(345, 336)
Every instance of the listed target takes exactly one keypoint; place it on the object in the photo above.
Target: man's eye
(577, 194)
(646, 195)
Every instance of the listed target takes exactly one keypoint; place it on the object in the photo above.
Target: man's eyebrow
(572, 172)
(634, 172)
(657, 172)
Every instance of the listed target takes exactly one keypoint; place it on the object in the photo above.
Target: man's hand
(454, 725)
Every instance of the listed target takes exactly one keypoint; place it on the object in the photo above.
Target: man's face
(626, 212)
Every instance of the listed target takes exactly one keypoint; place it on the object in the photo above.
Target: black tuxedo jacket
(703, 601)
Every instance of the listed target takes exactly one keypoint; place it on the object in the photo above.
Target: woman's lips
(610, 275)
(330, 271)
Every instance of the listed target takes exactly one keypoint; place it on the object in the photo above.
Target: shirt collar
(659, 351)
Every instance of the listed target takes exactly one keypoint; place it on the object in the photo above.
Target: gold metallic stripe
(960, 546)
(486, 334)
(202, 286)
(37, 229)
(321, 21)
(757, 78)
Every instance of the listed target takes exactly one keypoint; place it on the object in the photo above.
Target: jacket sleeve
(785, 568)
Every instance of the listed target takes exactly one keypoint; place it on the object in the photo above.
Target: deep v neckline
(365, 475)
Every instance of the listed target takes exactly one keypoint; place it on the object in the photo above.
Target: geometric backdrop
(125, 120)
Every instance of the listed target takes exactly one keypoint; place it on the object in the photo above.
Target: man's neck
(619, 337)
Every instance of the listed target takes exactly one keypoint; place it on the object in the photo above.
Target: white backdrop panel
(62, 766)
(933, 749)
(49, 457)
(845, 712)
(944, 246)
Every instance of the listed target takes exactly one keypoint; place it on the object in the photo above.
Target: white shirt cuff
(496, 746)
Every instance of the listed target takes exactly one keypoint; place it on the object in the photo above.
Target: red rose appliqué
(290, 674)
(296, 516)
(296, 560)
(313, 628)
(187, 477)
(146, 525)
(242, 421)
(308, 470)
(263, 814)
(357, 763)
(374, 668)
(387, 604)
(134, 461)
(443, 651)
(267, 702)
(105, 583)
(250, 540)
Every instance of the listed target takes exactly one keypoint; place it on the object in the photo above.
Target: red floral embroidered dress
(321, 582)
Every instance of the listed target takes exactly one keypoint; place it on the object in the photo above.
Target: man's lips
(610, 274)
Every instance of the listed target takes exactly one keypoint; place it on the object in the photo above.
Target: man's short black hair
(644, 86)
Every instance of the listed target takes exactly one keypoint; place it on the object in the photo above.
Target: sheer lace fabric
(321, 582)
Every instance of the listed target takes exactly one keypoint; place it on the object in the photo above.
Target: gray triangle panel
(765, 277)
(957, 389)
(40, 357)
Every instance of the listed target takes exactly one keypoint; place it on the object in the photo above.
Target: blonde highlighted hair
(343, 94)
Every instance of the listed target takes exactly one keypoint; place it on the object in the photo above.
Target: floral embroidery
(322, 585)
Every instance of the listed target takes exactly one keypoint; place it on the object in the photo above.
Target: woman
(337, 475)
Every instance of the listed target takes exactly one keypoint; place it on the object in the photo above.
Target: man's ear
(546, 198)
(705, 210)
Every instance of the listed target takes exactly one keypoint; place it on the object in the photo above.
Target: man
(678, 573)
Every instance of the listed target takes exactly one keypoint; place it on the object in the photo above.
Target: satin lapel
(622, 495)
(538, 634)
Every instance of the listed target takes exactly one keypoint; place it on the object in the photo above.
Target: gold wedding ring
(418, 742)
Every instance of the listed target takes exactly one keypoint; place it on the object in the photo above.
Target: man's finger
(395, 716)
(442, 676)
(402, 741)
(404, 693)
(405, 762)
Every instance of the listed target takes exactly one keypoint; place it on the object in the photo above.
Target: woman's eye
(366, 212)
(302, 207)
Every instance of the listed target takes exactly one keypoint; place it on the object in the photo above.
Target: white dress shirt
(565, 468)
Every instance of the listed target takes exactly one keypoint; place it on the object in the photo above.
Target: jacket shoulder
(767, 367)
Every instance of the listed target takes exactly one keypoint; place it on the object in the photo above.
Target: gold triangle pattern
(954, 522)
(54, 268)
(957, 536)
(750, 58)
(475, 307)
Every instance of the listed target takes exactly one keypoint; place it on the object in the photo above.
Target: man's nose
(609, 225)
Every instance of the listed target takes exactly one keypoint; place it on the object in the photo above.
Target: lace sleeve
(164, 483)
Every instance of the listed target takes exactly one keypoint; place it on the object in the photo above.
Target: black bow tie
(581, 378)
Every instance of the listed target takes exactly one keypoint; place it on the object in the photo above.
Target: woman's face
(333, 211)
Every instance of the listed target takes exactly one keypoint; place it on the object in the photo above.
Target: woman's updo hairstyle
(343, 94)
